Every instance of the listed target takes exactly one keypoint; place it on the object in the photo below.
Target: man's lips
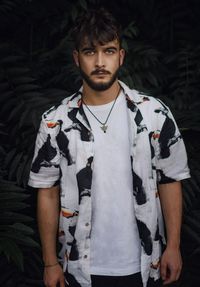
(100, 72)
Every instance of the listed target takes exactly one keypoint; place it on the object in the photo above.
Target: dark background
(162, 41)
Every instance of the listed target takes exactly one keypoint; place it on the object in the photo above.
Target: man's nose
(99, 60)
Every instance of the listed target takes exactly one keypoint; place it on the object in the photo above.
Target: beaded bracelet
(51, 265)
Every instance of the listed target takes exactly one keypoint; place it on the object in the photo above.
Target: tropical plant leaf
(37, 71)
(4, 196)
(8, 218)
(20, 227)
(5, 206)
(19, 237)
(12, 252)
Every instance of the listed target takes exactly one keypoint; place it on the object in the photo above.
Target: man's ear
(75, 56)
(121, 56)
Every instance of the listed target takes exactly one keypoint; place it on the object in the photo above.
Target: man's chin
(100, 86)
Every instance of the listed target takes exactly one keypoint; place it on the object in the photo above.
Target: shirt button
(85, 256)
(87, 224)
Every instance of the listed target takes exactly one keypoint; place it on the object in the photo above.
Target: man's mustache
(100, 72)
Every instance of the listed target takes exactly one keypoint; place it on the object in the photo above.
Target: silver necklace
(103, 124)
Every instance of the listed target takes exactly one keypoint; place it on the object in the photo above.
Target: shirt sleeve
(171, 156)
(45, 170)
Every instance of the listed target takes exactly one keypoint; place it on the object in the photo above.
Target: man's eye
(110, 51)
(89, 53)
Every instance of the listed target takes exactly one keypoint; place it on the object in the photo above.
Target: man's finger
(178, 273)
(171, 276)
(62, 282)
(163, 271)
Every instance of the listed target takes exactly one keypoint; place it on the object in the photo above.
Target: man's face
(99, 64)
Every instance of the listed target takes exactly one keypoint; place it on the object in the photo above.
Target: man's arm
(171, 203)
(48, 214)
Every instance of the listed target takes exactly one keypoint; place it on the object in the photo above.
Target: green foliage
(37, 71)
(14, 225)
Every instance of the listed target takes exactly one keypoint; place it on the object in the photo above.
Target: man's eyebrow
(87, 49)
(91, 48)
(111, 47)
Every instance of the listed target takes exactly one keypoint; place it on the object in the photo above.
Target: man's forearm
(171, 202)
(48, 213)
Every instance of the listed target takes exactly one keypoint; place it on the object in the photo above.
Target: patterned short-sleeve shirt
(64, 154)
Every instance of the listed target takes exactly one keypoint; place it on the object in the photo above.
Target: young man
(102, 154)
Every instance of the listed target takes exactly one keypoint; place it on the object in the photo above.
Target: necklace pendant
(104, 128)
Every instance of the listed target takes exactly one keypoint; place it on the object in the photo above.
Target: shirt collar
(134, 96)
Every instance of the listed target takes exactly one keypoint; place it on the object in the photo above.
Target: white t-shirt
(115, 244)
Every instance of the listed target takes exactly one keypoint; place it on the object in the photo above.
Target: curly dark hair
(96, 26)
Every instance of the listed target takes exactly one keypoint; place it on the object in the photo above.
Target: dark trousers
(134, 280)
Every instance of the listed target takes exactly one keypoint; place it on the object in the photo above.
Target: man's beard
(99, 86)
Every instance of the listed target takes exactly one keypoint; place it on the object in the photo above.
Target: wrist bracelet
(51, 265)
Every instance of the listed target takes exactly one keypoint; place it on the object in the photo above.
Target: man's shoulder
(144, 101)
(60, 110)
(150, 102)
(141, 99)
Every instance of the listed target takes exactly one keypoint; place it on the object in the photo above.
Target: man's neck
(94, 98)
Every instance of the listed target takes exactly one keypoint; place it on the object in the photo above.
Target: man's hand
(54, 276)
(171, 203)
(48, 214)
(171, 265)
